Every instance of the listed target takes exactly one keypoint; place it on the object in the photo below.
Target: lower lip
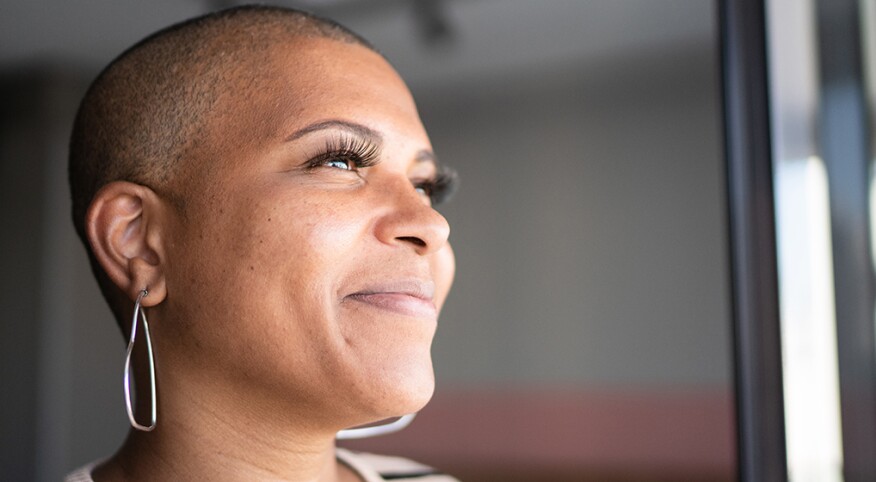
(399, 303)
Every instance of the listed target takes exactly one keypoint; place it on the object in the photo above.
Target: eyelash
(440, 188)
(359, 153)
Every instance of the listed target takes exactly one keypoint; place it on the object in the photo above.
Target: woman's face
(307, 267)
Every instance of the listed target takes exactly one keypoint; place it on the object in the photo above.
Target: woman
(258, 182)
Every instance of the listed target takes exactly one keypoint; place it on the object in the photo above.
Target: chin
(415, 398)
(401, 391)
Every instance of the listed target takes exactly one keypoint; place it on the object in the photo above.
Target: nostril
(413, 240)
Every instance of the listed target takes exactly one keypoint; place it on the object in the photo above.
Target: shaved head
(145, 116)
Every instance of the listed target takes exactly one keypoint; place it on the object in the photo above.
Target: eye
(339, 163)
(424, 188)
(439, 189)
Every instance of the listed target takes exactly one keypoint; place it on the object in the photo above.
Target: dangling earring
(375, 430)
(139, 313)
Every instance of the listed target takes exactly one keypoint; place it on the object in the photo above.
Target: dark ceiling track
(434, 25)
(757, 342)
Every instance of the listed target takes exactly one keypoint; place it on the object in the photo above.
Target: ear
(124, 224)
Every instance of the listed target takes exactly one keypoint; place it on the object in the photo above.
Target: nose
(411, 221)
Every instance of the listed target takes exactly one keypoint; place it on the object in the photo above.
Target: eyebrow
(359, 129)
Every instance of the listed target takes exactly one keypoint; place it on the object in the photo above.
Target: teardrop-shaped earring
(139, 313)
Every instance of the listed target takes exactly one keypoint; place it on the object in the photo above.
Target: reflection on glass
(808, 321)
(868, 54)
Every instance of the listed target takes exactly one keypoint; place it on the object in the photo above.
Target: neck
(222, 438)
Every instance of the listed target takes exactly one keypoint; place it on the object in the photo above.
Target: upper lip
(422, 289)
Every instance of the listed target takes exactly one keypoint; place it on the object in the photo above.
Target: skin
(285, 302)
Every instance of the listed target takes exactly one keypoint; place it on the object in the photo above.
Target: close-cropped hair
(144, 114)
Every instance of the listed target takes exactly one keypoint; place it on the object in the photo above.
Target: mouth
(413, 298)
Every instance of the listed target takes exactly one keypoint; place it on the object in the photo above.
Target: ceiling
(484, 37)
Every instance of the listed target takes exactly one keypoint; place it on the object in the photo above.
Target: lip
(406, 297)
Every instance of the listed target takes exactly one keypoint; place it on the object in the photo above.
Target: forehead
(306, 80)
(315, 64)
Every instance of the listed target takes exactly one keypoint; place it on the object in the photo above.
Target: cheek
(272, 231)
(289, 254)
(258, 267)
(253, 297)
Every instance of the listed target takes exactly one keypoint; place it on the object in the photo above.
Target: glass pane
(588, 333)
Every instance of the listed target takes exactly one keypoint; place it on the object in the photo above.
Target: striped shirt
(369, 467)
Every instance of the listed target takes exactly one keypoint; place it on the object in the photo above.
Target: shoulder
(382, 467)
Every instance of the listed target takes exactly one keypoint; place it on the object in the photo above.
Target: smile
(408, 297)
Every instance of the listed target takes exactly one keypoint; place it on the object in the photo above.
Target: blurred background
(589, 335)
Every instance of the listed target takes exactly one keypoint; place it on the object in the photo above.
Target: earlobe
(124, 228)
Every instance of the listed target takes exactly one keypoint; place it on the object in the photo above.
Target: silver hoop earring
(375, 430)
(139, 313)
